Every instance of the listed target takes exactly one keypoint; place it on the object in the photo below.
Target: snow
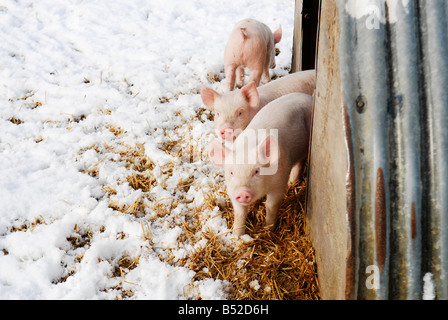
(429, 292)
(81, 82)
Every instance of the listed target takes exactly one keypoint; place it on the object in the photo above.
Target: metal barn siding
(381, 118)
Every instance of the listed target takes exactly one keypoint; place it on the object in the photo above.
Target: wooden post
(296, 63)
(328, 181)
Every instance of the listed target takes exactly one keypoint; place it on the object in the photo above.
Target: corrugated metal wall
(394, 81)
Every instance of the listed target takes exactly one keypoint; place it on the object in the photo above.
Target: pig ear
(217, 152)
(250, 93)
(244, 33)
(268, 150)
(208, 97)
(278, 35)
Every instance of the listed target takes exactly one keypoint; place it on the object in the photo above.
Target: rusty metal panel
(393, 73)
(435, 57)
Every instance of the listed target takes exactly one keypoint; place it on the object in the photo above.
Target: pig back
(242, 51)
(302, 82)
(291, 116)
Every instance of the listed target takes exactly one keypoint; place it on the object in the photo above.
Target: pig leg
(230, 76)
(240, 77)
(295, 173)
(266, 76)
(273, 202)
(240, 216)
(255, 76)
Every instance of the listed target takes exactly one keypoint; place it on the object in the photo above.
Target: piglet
(251, 44)
(234, 110)
(270, 153)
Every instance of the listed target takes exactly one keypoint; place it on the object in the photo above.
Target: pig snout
(227, 134)
(243, 196)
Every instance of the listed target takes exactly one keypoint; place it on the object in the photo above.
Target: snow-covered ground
(92, 95)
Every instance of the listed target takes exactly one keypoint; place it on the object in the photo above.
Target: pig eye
(217, 114)
(257, 172)
(240, 113)
(231, 173)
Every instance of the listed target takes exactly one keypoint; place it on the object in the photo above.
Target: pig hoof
(239, 232)
(271, 227)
